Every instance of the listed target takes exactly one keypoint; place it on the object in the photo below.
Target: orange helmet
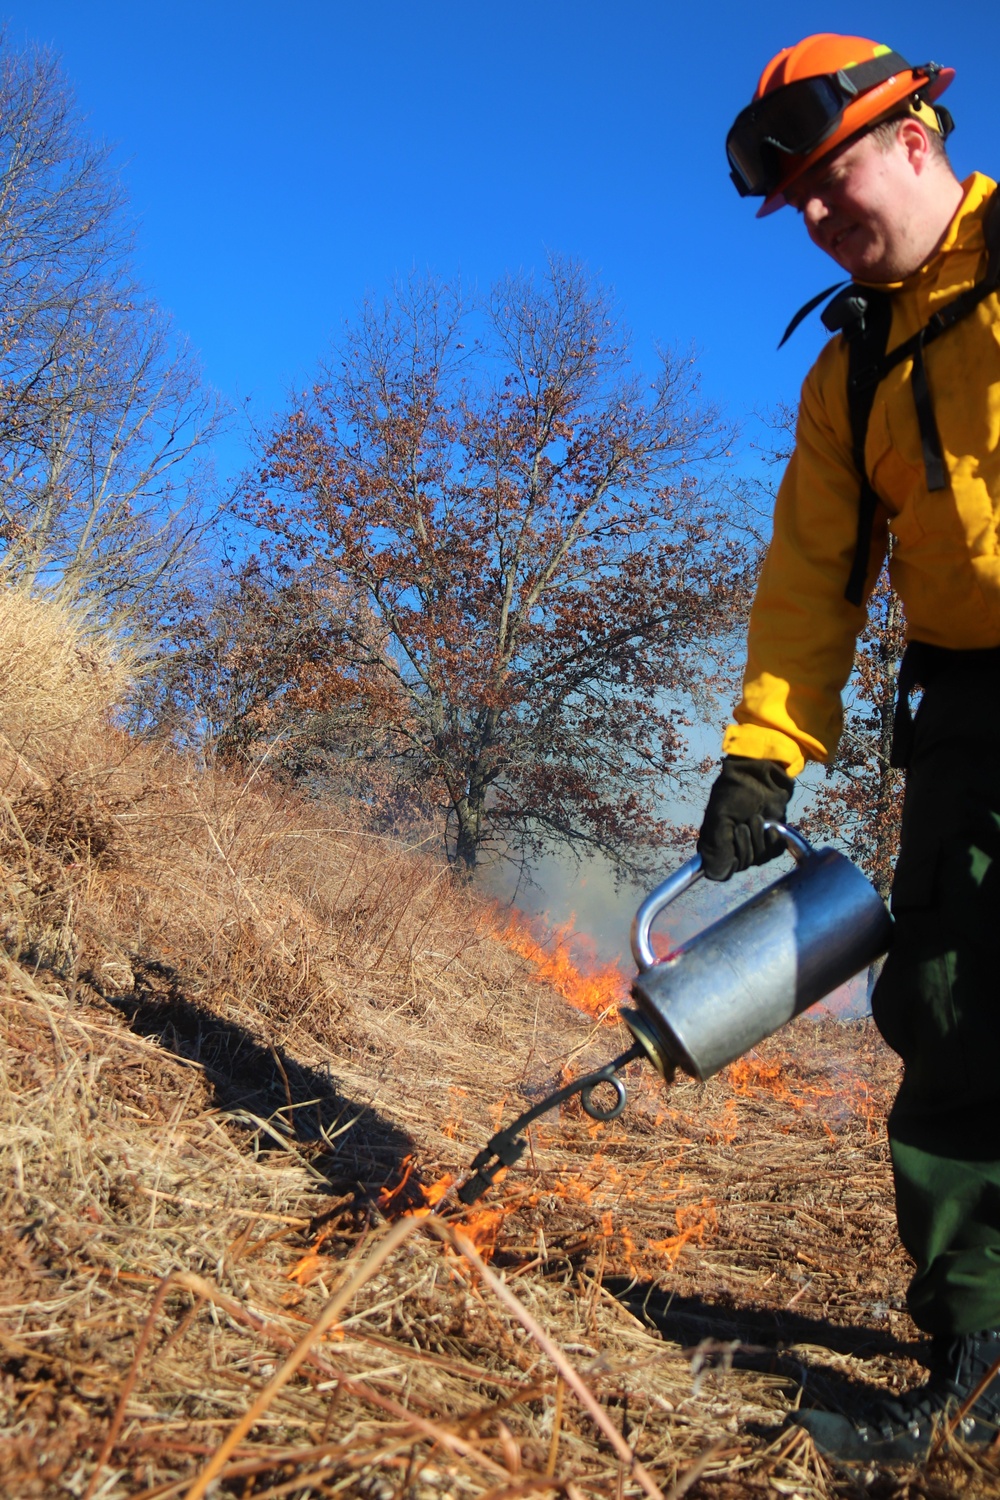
(813, 97)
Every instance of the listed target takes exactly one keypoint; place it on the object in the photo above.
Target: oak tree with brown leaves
(250, 668)
(518, 507)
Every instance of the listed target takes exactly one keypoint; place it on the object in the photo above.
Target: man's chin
(859, 261)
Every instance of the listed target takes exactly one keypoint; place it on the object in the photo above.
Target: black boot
(903, 1429)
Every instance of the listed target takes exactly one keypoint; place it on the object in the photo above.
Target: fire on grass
(641, 1216)
(691, 1199)
(565, 959)
(598, 1192)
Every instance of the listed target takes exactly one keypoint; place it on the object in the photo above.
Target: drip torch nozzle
(504, 1149)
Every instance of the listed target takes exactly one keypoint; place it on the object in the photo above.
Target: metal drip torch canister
(728, 988)
(732, 985)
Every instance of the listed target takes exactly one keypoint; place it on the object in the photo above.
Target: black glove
(733, 837)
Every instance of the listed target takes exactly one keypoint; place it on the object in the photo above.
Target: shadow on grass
(758, 1338)
(279, 1101)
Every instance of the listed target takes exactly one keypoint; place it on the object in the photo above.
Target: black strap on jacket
(863, 314)
(866, 321)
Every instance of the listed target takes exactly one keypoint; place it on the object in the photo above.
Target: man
(898, 429)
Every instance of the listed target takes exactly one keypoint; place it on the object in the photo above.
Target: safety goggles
(796, 118)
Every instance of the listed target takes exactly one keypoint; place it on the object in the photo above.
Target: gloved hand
(746, 792)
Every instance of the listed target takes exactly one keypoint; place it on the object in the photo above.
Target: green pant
(938, 1005)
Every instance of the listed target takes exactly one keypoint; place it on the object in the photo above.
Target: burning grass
(248, 1051)
(596, 988)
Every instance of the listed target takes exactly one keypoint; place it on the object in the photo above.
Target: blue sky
(283, 159)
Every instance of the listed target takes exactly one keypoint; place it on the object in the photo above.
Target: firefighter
(898, 432)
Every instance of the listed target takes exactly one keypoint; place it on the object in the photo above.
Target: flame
(565, 959)
(845, 1098)
(436, 1190)
(693, 1221)
(863, 1106)
(312, 1264)
(482, 1229)
(726, 1126)
(752, 1075)
(306, 1269)
(387, 1195)
(412, 1198)
(428, 1195)
(452, 1124)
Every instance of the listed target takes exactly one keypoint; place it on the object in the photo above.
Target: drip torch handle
(680, 881)
(675, 885)
(799, 847)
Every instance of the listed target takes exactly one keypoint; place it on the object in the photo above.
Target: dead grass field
(248, 1048)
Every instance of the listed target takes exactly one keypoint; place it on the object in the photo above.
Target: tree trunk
(466, 851)
(470, 813)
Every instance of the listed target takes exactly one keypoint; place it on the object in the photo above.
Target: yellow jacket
(945, 562)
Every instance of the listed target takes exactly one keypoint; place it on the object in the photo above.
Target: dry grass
(246, 1046)
(58, 677)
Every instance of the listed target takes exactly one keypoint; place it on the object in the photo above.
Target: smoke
(585, 894)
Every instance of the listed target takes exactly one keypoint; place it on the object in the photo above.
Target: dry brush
(247, 1049)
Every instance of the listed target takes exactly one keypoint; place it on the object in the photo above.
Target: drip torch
(726, 989)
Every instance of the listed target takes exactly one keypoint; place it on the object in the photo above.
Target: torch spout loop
(507, 1149)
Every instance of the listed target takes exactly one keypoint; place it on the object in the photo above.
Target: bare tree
(101, 410)
(519, 509)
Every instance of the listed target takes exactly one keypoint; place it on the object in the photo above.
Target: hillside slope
(247, 1047)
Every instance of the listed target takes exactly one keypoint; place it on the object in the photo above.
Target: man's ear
(913, 137)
